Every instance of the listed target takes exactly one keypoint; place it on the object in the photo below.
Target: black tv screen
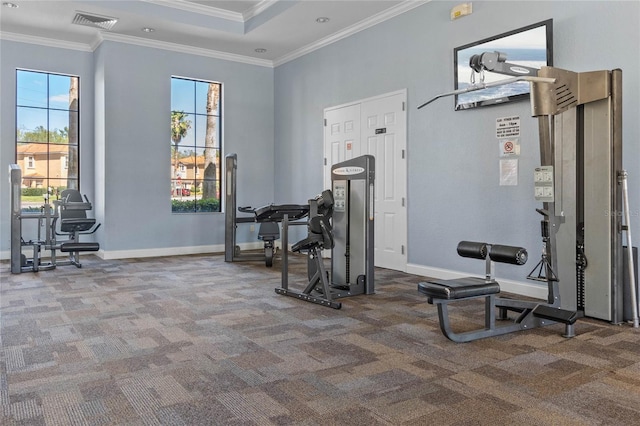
(530, 46)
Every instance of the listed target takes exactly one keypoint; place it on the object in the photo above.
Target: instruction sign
(508, 127)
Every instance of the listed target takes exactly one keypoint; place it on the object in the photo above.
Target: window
(47, 133)
(195, 145)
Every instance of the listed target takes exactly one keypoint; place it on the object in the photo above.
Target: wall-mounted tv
(530, 46)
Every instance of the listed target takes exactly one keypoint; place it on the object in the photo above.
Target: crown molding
(44, 41)
(258, 9)
(198, 8)
(181, 48)
(188, 6)
(401, 8)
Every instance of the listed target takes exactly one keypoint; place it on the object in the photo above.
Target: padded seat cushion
(458, 288)
(76, 224)
(313, 240)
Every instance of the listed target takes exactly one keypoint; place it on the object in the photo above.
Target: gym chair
(531, 314)
(72, 214)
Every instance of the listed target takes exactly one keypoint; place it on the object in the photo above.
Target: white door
(341, 137)
(382, 127)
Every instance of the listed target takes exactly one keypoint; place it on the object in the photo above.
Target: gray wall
(125, 156)
(273, 120)
(134, 165)
(453, 184)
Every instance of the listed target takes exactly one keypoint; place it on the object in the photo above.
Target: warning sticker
(509, 147)
(507, 127)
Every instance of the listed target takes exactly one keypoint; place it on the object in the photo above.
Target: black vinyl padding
(79, 224)
(508, 254)
(319, 235)
(472, 249)
(275, 213)
(269, 231)
(458, 288)
(70, 247)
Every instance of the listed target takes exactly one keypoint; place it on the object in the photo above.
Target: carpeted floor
(197, 341)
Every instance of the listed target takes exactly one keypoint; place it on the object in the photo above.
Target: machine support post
(622, 179)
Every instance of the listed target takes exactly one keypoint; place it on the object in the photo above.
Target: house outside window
(47, 133)
(196, 145)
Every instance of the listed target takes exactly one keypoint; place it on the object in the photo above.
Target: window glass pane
(203, 102)
(207, 126)
(201, 130)
(208, 204)
(31, 89)
(59, 125)
(182, 132)
(59, 91)
(31, 125)
(182, 95)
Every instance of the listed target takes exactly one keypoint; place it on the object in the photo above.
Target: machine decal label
(348, 170)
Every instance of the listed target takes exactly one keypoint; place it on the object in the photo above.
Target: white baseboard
(155, 252)
(171, 251)
(520, 288)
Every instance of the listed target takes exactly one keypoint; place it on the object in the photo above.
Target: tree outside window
(195, 145)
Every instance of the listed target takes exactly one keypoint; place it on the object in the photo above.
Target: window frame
(30, 160)
(187, 173)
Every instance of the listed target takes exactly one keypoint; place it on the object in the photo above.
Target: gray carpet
(197, 341)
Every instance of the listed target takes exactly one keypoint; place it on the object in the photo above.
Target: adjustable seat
(72, 212)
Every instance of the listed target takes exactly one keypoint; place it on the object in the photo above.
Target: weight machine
(349, 236)
(579, 185)
(267, 216)
(69, 211)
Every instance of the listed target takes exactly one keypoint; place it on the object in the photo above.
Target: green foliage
(31, 192)
(195, 206)
(179, 126)
(37, 192)
(41, 134)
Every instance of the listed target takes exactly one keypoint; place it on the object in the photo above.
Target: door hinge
(402, 249)
(403, 106)
(403, 154)
(325, 122)
(402, 201)
(325, 161)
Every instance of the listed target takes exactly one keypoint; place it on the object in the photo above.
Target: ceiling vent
(96, 21)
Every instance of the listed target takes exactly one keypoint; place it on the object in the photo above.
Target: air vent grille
(96, 21)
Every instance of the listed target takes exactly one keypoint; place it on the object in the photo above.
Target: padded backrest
(72, 196)
(320, 226)
(74, 219)
(325, 203)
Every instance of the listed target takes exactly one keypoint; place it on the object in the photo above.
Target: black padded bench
(530, 314)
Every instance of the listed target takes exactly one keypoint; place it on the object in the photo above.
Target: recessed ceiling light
(147, 30)
(261, 50)
(10, 5)
(322, 20)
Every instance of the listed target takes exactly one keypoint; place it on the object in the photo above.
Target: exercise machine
(578, 182)
(530, 314)
(340, 220)
(267, 216)
(69, 212)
